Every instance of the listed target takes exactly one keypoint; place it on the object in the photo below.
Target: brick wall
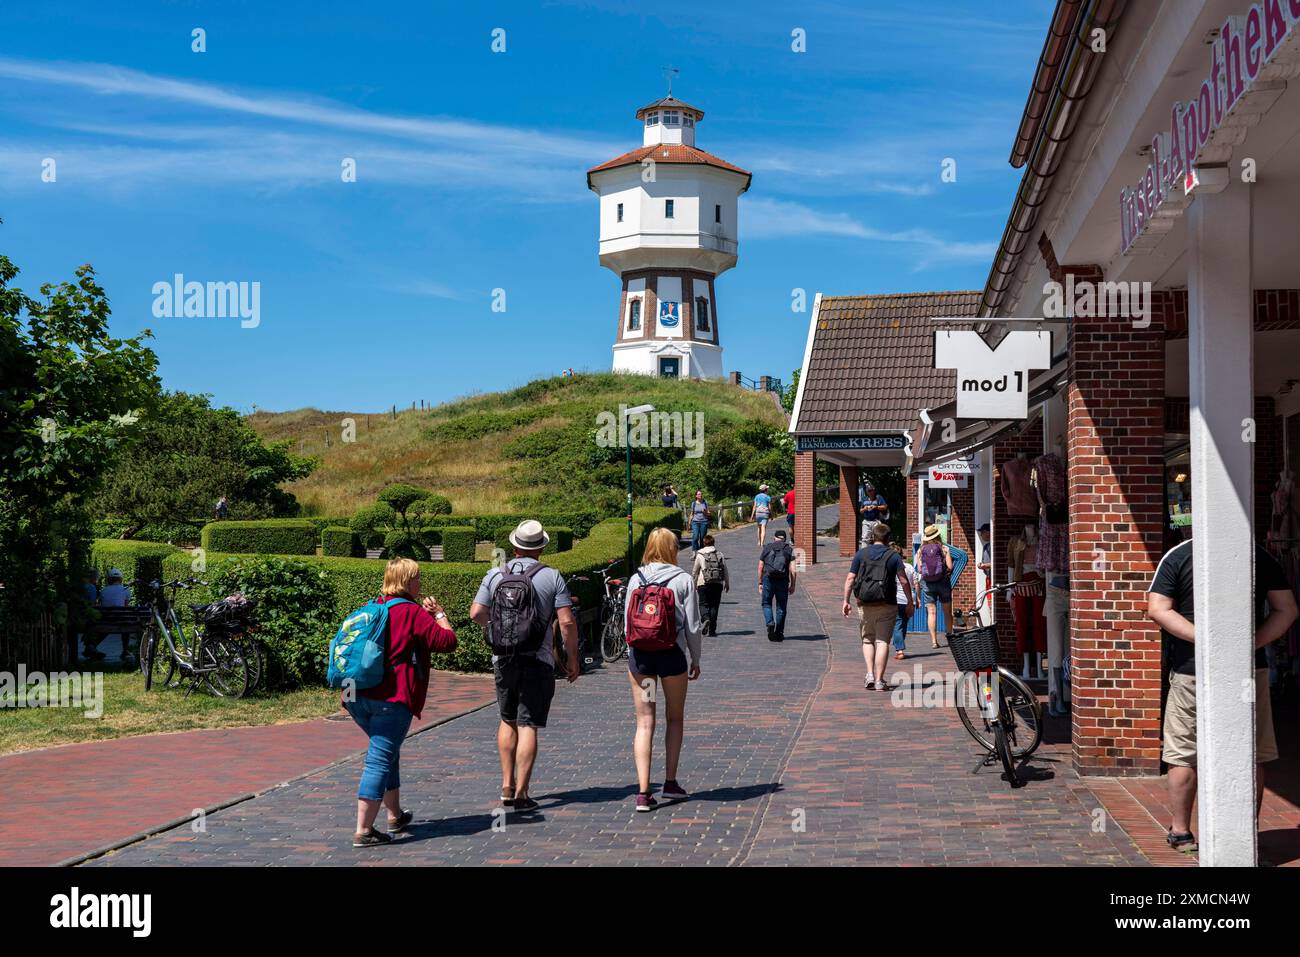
(850, 530)
(1116, 494)
(1274, 309)
(805, 505)
(1029, 442)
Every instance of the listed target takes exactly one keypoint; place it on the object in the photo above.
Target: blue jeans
(778, 588)
(386, 724)
(698, 531)
(900, 629)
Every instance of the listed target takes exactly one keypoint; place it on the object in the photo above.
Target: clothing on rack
(1017, 493)
(1048, 480)
(1028, 607)
(1019, 555)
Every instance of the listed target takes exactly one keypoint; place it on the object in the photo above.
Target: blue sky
(225, 166)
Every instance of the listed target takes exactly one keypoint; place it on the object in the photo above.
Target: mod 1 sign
(992, 383)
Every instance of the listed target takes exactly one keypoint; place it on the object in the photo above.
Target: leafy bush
(656, 515)
(272, 536)
(400, 497)
(340, 542)
(475, 425)
(296, 612)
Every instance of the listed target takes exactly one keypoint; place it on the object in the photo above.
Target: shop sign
(844, 443)
(966, 466)
(938, 476)
(1248, 61)
(992, 383)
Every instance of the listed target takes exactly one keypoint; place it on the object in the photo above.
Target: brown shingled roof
(871, 366)
(670, 153)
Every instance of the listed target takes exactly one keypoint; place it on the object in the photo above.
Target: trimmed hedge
(340, 542)
(356, 580)
(656, 515)
(457, 542)
(581, 521)
(133, 559)
(561, 539)
(271, 536)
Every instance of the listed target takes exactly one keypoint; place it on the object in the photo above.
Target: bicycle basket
(976, 649)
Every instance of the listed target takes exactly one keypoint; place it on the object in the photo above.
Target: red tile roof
(670, 153)
(871, 367)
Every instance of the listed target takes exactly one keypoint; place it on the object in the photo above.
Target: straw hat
(932, 534)
(529, 536)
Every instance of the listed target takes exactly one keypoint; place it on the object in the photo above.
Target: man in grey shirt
(526, 683)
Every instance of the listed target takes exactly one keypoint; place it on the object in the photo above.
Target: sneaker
(780, 635)
(771, 632)
(1184, 843)
(371, 838)
(673, 791)
(869, 682)
(645, 803)
(401, 823)
(523, 804)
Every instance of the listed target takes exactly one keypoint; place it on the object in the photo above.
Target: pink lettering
(1216, 67)
(1253, 30)
(1176, 144)
(1203, 116)
(1274, 26)
(1190, 146)
(1231, 40)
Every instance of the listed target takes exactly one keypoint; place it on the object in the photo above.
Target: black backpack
(869, 583)
(514, 627)
(777, 561)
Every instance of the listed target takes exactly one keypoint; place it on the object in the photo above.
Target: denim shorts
(657, 664)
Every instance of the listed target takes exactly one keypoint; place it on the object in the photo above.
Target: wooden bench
(125, 621)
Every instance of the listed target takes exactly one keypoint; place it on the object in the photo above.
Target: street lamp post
(627, 443)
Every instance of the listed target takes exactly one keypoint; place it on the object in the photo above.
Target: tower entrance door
(670, 367)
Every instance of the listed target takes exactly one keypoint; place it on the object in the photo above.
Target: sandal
(899, 656)
(508, 796)
(1183, 843)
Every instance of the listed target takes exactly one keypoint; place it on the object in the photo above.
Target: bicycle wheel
(1023, 721)
(970, 712)
(1003, 747)
(228, 677)
(612, 644)
(156, 662)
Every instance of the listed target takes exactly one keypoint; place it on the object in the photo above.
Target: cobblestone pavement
(788, 761)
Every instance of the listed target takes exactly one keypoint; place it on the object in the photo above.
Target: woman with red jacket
(384, 712)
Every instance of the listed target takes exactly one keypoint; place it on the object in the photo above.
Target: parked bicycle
(169, 656)
(998, 709)
(609, 620)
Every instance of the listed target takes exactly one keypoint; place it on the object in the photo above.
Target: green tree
(190, 454)
(68, 394)
(792, 390)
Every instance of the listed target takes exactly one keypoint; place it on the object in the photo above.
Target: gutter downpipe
(1049, 62)
(1075, 79)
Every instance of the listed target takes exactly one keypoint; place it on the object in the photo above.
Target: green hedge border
(268, 536)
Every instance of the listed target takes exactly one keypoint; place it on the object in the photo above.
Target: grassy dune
(471, 450)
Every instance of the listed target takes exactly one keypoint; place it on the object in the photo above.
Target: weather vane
(669, 72)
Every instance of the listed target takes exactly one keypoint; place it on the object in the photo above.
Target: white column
(1221, 365)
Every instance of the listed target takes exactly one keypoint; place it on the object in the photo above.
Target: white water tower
(668, 230)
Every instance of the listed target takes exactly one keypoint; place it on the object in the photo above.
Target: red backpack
(652, 618)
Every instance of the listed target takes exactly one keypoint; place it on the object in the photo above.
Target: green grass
(499, 452)
(130, 710)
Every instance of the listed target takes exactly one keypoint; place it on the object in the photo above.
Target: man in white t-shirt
(115, 595)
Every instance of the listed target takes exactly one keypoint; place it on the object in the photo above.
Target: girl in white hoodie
(647, 670)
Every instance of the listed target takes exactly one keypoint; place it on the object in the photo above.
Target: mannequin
(1049, 481)
(1017, 493)
(1027, 601)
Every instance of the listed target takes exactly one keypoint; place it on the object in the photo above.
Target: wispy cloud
(777, 219)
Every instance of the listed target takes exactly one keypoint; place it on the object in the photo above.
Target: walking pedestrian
(663, 628)
(760, 512)
(416, 628)
(874, 509)
(872, 583)
(906, 576)
(699, 520)
(515, 605)
(1170, 604)
(222, 509)
(788, 499)
(776, 583)
(711, 579)
(934, 565)
(670, 497)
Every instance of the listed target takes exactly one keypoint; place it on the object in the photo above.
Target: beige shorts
(876, 621)
(1180, 721)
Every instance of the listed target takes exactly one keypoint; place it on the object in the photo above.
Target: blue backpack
(359, 652)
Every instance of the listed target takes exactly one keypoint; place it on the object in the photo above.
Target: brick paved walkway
(100, 793)
(775, 734)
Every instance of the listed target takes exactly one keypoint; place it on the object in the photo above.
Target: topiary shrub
(296, 612)
(132, 559)
(657, 515)
(561, 538)
(457, 542)
(271, 536)
(340, 542)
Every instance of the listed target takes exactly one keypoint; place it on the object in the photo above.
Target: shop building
(1152, 242)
